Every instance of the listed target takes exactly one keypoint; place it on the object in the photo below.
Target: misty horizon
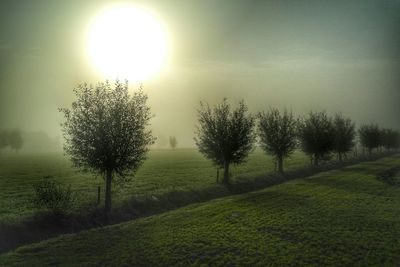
(338, 56)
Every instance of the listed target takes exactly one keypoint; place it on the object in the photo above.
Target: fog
(338, 56)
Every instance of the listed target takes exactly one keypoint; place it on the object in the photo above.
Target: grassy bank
(164, 172)
(341, 217)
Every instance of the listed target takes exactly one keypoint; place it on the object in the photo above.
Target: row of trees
(226, 135)
(106, 132)
(11, 138)
(372, 137)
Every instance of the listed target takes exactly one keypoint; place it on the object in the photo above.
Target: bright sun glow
(126, 42)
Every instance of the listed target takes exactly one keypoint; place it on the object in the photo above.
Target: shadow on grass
(43, 225)
(390, 176)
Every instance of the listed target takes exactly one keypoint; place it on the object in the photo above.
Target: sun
(126, 42)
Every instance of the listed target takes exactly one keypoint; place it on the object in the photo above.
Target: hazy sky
(333, 55)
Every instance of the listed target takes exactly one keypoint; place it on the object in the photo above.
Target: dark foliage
(53, 196)
(106, 132)
(224, 135)
(317, 136)
(390, 139)
(344, 135)
(277, 134)
(390, 176)
(370, 136)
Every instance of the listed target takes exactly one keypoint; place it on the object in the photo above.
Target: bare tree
(106, 132)
(173, 142)
(277, 134)
(224, 135)
(370, 136)
(317, 136)
(344, 135)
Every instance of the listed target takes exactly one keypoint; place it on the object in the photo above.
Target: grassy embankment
(339, 217)
(164, 172)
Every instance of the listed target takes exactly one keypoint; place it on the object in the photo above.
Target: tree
(173, 142)
(317, 135)
(224, 135)
(345, 133)
(370, 136)
(106, 132)
(15, 140)
(3, 139)
(390, 139)
(277, 134)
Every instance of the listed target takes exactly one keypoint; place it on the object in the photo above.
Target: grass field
(343, 217)
(164, 171)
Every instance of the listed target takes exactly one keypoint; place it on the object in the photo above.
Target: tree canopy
(106, 131)
(225, 135)
(344, 135)
(317, 135)
(278, 134)
(370, 136)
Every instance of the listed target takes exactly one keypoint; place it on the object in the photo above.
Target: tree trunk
(226, 173)
(340, 157)
(315, 160)
(107, 203)
(280, 164)
(217, 175)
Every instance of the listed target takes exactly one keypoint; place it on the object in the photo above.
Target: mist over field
(199, 133)
(303, 55)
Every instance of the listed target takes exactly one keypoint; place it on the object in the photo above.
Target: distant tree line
(227, 135)
(11, 138)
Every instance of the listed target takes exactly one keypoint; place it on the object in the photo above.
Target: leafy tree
(277, 134)
(173, 142)
(225, 135)
(370, 136)
(317, 136)
(15, 140)
(106, 132)
(390, 139)
(344, 135)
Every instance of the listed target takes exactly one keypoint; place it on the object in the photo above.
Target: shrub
(53, 196)
(390, 176)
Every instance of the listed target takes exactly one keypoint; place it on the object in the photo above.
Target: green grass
(165, 171)
(343, 217)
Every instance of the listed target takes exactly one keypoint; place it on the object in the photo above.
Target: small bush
(53, 196)
(390, 176)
